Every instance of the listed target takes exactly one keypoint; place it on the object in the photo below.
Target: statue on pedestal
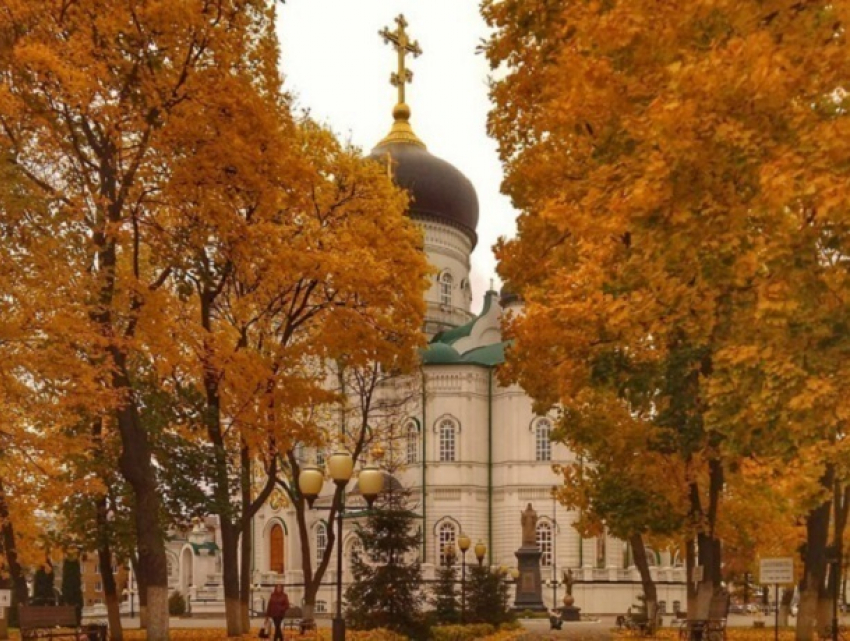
(529, 594)
(569, 612)
(569, 580)
(529, 527)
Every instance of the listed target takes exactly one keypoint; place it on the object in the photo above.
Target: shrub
(487, 597)
(462, 632)
(176, 604)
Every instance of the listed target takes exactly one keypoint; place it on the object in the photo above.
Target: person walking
(276, 610)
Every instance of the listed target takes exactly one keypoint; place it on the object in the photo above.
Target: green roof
(488, 355)
(442, 354)
(456, 333)
(210, 546)
(439, 354)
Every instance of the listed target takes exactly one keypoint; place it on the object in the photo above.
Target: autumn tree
(96, 105)
(371, 402)
(42, 387)
(779, 388)
(289, 265)
(637, 498)
(674, 166)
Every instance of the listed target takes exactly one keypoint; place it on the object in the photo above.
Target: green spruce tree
(43, 592)
(72, 585)
(444, 598)
(487, 597)
(387, 576)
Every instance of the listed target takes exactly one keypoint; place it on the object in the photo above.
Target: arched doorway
(276, 547)
(186, 571)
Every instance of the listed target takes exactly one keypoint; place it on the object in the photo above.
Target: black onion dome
(437, 188)
(507, 295)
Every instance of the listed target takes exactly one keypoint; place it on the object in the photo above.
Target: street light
(463, 543)
(341, 468)
(480, 551)
(131, 592)
(833, 558)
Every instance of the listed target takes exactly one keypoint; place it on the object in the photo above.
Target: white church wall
(448, 250)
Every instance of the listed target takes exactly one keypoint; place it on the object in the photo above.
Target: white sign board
(5, 598)
(699, 573)
(776, 570)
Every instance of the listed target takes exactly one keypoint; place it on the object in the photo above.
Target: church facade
(475, 453)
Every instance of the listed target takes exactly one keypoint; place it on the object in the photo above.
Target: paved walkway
(590, 630)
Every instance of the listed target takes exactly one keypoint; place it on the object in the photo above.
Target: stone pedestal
(570, 612)
(529, 589)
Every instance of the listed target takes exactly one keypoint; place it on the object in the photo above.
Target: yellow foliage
(684, 232)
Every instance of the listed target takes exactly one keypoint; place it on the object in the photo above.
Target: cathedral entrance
(187, 566)
(276, 549)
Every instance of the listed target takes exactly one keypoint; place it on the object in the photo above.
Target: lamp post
(480, 551)
(833, 560)
(463, 543)
(310, 481)
(554, 559)
(131, 592)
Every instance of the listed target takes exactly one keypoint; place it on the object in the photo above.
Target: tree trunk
(312, 580)
(9, 546)
(135, 465)
(650, 592)
(708, 548)
(110, 590)
(135, 462)
(230, 578)
(691, 588)
(814, 563)
(785, 606)
(247, 532)
(141, 604)
(826, 599)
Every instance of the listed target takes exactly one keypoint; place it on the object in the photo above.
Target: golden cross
(403, 45)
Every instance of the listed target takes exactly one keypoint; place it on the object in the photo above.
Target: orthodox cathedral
(475, 454)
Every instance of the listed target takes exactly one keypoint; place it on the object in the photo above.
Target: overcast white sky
(338, 68)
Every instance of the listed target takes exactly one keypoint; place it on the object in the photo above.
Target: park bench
(711, 628)
(294, 620)
(640, 624)
(55, 621)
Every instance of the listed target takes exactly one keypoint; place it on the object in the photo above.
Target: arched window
(446, 289)
(542, 440)
(321, 540)
(355, 551)
(447, 440)
(320, 457)
(276, 549)
(412, 443)
(544, 542)
(446, 537)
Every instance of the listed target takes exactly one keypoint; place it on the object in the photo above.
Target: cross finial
(403, 45)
